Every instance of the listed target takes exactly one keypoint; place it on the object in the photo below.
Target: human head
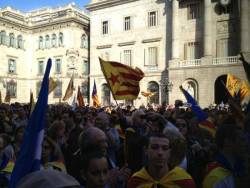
(93, 140)
(157, 150)
(94, 170)
(138, 117)
(48, 179)
(156, 122)
(182, 125)
(102, 120)
(57, 130)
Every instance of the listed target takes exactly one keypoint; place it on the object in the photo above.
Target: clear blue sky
(27, 5)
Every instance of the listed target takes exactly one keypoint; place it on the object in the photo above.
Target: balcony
(225, 60)
(204, 62)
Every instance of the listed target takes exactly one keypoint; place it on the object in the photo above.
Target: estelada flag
(123, 80)
(79, 97)
(69, 91)
(96, 102)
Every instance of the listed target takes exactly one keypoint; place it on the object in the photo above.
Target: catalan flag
(52, 84)
(7, 97)
(70, 89)
(238, 87)
(122, 79)
(204, 121)
(147, 94)
(1, 98)
(96, 102)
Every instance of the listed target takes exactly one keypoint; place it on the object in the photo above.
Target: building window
(153, 87)
(84, 41)
(12, 66)
(2, 37)
(12, 40)
(47, 41)
(225, 47)
(40, 67)
(105, 27)
(20, 42)
(40, 44)
(127, 57)
(58, 66)
(53, 41)
(152, 56)
(152, 19)
(191, 50)
(127, 23)
(105, 95)
(11, 88)
(105, 56)
(38, 87)
(85, 67)
(58, 89)
(193, 11)
(60, 42)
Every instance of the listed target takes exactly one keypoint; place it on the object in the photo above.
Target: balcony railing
(225, 60)
(190, 63)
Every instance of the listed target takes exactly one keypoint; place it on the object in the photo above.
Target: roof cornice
(106, 4)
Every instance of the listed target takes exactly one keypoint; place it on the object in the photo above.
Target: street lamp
(166, 85)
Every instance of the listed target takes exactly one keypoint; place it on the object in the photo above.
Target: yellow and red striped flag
(79, 97)
(52, 84)
(70, 89)
(147, 94)
(96, 102)
(1, 98)
(123, 80)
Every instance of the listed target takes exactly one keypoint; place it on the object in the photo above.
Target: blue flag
(30, 153)
(200, 114)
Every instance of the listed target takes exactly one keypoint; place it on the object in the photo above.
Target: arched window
(105, 95)
(2, 37)
(191, 86)
(60, 41)
(12, 88)
(12, 40)
(20, 41)
(153, 87)
(53, 41)
(47, 41)
(40, 45)
(84, 41)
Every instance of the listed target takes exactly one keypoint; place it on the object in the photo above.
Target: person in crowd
(52, 157)
(159, 172)
(48, 179)
(18, 138)
(95, 170)
(230, 161)
(57, 132)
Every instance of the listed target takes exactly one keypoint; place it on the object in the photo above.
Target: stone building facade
(193, 43)
(27, 40)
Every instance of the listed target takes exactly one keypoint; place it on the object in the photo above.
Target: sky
(27, 5)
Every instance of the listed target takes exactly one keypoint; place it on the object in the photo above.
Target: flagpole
(107, 79)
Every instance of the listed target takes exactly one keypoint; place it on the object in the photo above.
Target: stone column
(175, 28)
(207, 28)
(245, 38)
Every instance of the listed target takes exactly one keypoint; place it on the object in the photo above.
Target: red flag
(69, 91)
(80, 98)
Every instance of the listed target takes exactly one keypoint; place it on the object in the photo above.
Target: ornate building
(193, 43)
(27, 40)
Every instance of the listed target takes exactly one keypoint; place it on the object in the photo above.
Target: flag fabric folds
(70, 89)
(122, 79)
(30, 152)
(52, 85)
(238, 87)
(1, 98)
(147, 94)
(246, 66)
(96, 102)
(32, 103)
(79, 97)
(203, 119)
(7, 97)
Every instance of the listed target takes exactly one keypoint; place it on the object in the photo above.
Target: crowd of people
(128, 147)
